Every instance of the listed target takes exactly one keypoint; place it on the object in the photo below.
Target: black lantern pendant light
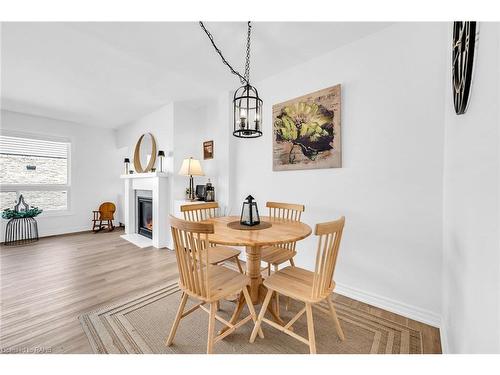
(247, 106)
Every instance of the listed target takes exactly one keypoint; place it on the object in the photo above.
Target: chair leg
(287, 306)
(238, 263)
(248, 300)
(218, 305)
(340, 332)
(177, 320)
(263, 309)
(310, 329)
(277, 294)
(240, 304)
(211, 328)
(268, 269)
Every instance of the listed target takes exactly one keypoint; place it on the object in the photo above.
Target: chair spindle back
(286, 211)
(190, 243)
(200, 212)
(330, 234)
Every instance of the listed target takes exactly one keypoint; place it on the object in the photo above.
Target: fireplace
(153, 186)
(145, 216)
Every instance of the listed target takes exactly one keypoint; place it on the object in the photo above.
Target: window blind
(33, 147)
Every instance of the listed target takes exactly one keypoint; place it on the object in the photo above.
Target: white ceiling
(107, 74)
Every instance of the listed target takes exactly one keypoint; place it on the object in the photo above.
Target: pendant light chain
(244, 79)
(247, 64)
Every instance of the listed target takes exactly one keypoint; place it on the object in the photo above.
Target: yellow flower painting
(307, 131)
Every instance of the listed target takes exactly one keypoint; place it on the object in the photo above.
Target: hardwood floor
(46, 286)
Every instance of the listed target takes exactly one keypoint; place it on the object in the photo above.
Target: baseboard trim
(409, 311)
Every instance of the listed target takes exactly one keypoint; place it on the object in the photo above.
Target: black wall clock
(464, 43)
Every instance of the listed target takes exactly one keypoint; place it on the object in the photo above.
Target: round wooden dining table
(280, 231)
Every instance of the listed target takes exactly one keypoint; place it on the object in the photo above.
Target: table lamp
(191, 167)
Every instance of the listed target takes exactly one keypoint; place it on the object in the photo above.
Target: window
(36, 168)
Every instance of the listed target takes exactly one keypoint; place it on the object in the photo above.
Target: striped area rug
(140, 324)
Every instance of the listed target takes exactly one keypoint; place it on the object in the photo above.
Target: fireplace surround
(152, 188)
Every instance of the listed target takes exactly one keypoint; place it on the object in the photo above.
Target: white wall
(390, 185)
(471, 262)
(195, 123)
(218, 114)
(94, 164)
(189, 130)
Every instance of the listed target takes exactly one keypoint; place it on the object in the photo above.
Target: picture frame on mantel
(208, 150)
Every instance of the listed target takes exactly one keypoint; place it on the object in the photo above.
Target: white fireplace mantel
(156, 182)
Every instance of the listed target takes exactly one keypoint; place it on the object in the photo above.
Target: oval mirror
(145, 153)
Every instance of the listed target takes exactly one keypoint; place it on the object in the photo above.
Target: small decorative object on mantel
(463, 53)
(208, 150)
(22, 227)
(247, 106)
(249, 212)
(307, 131)
(161, 159)
(126, 161)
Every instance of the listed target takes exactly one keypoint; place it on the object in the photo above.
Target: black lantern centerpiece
(249, 212)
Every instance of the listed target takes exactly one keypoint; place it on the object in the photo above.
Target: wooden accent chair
(279, 254)
(105, 216)
(203, 281)
(306, 286)
(203, 211)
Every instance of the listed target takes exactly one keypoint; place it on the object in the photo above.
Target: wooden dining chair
(306, 286)
(104, 217)
(203, 281)
(203, 211)
(278, 254)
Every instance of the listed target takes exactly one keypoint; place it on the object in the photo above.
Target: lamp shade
(161, 153)
(191, 167)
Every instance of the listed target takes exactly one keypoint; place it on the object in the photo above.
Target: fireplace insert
(145, 216)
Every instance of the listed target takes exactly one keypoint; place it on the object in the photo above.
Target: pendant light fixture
(247, 106)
